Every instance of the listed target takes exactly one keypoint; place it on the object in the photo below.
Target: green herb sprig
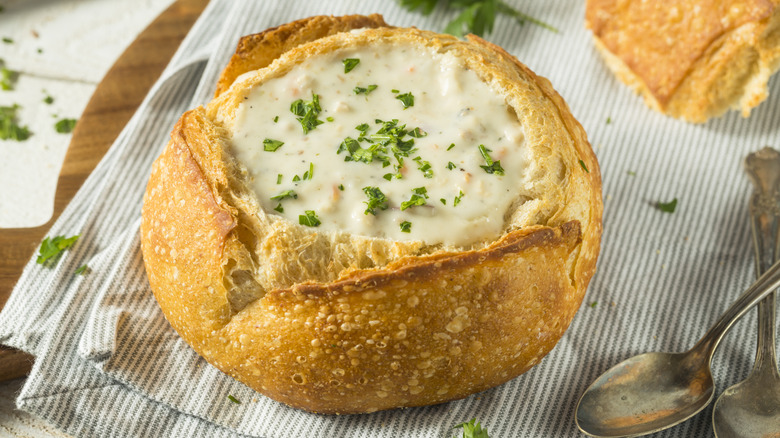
(476, 16)
(9, 126)
(52, 247)
(472, 429)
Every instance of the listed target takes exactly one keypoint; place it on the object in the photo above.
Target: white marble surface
(60, 48)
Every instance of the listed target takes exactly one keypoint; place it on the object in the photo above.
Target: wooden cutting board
(115, 100)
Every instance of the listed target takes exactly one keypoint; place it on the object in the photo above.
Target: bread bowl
(694, 59)
(336, 315)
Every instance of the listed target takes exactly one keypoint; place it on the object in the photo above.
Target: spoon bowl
(654, 391)
(640, 395)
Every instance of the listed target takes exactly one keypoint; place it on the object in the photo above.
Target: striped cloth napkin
(108, 364)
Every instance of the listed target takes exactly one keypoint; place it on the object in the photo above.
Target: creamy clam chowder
(383, 141)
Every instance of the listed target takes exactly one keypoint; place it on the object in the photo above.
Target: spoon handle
(765, 285)
(763, 168)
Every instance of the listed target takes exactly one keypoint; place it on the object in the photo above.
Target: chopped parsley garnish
(475, 16)
(376, 199)
(279, 178)
(394, 91)
(48, 100)
(364, 90)
(406, 227)
(419, 195)
(234, 400)
(81, 270)
(417, 133)
(271, 145)
(584, 167)
(472, 429)
(593, 304)
(65, 126)
(276, 119)
(52, 247)
(330, 119)
(407, 99)
(341, 187)
(349, 64)
(9, 127)
(492, 166)
(451, 165)
(309, 174)
(443, 201)
(388, 176)
(7, 78)
(609, 120)
(307, 112)
(451, 146)
(8, 40)
(631, 173)
(667, 207)
(363, 128)
(284, 195)
(296, 178)
(309, 219)
(425, 167)
(457, 199)
(279, 208)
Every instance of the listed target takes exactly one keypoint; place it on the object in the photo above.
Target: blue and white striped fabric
(108, 364)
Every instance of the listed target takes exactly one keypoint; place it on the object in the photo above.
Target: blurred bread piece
(690, 59)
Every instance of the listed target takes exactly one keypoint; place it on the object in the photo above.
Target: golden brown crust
(692, 60)
(362, 324)
(259, 50)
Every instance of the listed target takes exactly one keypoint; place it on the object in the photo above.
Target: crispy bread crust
(258, 50)
(380, 324)
(693, 60)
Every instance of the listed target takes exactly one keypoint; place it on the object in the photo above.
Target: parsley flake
(7, 78)
(279, 178)
(407, 99)
(276, 119)
(309, 174)
(667, 207)
(364, 90)
(341, 187)
(631, 173)
(233, 399)
(472, 429)
(9, 126)
(451, 146)
(309, 219)
(52, 247)
(279, 208)
(284, 195)
(457, 199)
(307, 112)
(424, 167)
(417, 133)
(419, 195)
(271, 145)
(81, 270)
(451, 165)
(8, 40)
(349, 64)
(493, 167)
(584, 167)
(376, 199)
(406, 227)
(48, 100)
(593, 304)
(65, 126)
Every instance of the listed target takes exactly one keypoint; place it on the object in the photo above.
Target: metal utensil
(654, 391)
(751, 408)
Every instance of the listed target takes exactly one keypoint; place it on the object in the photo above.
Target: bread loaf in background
(692, 59)
(333, 322)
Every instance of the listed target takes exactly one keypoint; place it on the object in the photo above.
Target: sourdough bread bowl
(438, 249)
(693, 59)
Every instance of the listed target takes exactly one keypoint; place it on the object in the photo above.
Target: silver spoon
(654, 391)
(751, 408)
